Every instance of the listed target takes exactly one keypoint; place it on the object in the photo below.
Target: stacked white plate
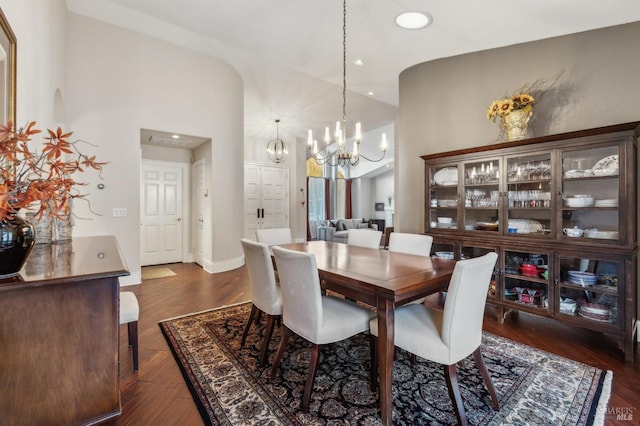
(582, 278)
(579, 202)
(444, 255)
(604, 235)
(613, 202)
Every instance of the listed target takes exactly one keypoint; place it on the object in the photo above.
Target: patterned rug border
(595, 416)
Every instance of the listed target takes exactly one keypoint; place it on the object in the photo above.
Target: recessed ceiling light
(413, 20)
(175, 136)
(370, 93)
(358, 62)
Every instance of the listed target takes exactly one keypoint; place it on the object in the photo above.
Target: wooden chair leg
(477, 356)
(283, 344)
(271, 322)
(313, 367)
(252, 315)
(451, 375)
(373, 371)
(132, 331)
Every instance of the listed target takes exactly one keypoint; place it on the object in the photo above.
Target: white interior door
(199, 195)
(161, 213)
(275, 202)
(266, 198)
(252, 200)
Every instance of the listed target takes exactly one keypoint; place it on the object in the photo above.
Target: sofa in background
(337, 230)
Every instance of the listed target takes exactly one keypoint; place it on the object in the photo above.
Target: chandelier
(342, 155)
(276, 148)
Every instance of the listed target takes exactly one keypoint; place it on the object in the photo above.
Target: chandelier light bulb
(383, 144)
(327, 135)
(309, 138)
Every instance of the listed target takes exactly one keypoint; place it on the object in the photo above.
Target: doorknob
(179, 219)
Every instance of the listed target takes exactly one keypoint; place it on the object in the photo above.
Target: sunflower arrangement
(47, 177)
(502, 107)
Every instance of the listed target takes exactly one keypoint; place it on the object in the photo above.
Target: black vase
(17, 237)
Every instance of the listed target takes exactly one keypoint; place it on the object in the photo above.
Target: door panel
(266, 198)
(161, 217)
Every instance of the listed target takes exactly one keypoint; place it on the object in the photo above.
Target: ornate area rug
(229, 387)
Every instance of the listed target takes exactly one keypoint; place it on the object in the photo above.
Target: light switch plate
(120, 212)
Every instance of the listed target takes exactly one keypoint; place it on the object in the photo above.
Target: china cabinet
(560, 211)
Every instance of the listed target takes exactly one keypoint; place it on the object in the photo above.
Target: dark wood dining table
(381, 279)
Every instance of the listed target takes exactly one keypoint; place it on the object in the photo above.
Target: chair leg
(132, 331)
(477, 356)
(373, 371)
(451, 375)
(252, 315)
(283, 344)
(271, 322)
(313, 367)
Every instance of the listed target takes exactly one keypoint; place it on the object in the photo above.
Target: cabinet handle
(263, 213)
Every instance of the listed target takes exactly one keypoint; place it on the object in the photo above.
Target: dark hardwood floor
(158, 395)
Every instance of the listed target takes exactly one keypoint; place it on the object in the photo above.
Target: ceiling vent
(168, 141)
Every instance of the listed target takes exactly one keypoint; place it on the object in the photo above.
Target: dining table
(383, 280)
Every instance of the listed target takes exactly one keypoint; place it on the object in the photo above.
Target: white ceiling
(289, 52)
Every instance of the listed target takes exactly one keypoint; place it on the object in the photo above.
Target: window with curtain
(340, 198)
(316, 198)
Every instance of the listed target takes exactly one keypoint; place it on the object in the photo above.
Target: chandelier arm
(372, 160)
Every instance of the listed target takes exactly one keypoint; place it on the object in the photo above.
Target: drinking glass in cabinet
(529, 171)
(481, 173)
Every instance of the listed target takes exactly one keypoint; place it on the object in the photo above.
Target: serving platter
(606, 166)
(446, 177)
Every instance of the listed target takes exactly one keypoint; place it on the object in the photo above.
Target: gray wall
(443, 102)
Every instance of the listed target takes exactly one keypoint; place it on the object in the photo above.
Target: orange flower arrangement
(47, 177)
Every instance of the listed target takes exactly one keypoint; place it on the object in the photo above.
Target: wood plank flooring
(158, 395)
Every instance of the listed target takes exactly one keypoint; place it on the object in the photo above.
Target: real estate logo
(621, 413)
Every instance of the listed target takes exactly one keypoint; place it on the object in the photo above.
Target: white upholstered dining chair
(265, 293)
(306, 312)
(274, 236)
(364, 238)
(418, 244)
(450, 335)
(129, 312)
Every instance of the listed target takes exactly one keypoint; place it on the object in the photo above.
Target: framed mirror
(7, 71)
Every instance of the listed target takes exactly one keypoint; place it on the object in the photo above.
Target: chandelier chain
(344, 62)
(342, 156)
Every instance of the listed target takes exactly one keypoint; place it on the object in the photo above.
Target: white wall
(120, 82)
(39, 26)
(443, 102)
(153, 152)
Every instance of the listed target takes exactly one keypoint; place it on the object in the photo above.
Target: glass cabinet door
(590, 193)
(588, 289)
(469, 252)
(443, 197)
(482, 195)
(526, 279)
(529, 200)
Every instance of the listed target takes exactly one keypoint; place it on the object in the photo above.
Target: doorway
(163, 211)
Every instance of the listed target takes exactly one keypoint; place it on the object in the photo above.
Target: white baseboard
(227, 265)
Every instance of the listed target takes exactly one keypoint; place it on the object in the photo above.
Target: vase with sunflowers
(44, 180)
(515, 112)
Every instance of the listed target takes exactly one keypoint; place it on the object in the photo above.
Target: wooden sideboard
(564, 206)
(59, 330)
